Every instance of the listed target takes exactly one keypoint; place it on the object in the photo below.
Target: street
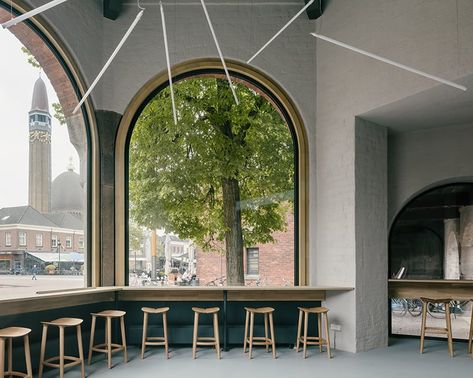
(23, 286)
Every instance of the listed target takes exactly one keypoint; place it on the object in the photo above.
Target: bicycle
(437, 310)
(217, 282)
(402, 306)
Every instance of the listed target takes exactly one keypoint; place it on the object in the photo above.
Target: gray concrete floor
(401, 359)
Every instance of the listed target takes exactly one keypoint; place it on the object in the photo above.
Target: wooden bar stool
(320, 312)
(215, 340)
(266, 340)
(436, 330)
(155, 340)
(108, 347)
(7, 335)
(470, 334)
(62, 323)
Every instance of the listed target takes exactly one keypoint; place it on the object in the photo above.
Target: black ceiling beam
(112, 9)
(315, 10)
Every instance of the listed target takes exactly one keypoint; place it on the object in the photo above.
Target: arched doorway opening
(432, 239)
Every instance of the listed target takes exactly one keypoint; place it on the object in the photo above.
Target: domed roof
(40, 96)
(67, 195)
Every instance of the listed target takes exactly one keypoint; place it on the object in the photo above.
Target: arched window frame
(194, 68)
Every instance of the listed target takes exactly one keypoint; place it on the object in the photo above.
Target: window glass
(39, 240)
(43, 160)
(22, 239)
(7, 239)
(204, 189)
(252, 262)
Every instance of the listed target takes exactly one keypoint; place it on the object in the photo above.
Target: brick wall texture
(276, 262)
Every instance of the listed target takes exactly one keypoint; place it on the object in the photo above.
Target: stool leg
(266, 336)
(10, 357)
(216, 336)
(43, 350)
(122, 326)
(165, 330)
(109, 341)
(422, 329)
(91, 343)
(306, 324)
(449, 328)
(81, 351)
(299, 329)
(319, 324)
(194, 339)
(245, 341)
(145, 329)
(329, 351)
(26, 342)
(252, 321)
(273, 337)
(470, 340)
(2, 357)
(61, 351)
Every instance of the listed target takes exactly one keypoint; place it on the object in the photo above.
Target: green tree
(220, 176)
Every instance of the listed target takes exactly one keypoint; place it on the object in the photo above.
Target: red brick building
(28, 237)
(270, 264)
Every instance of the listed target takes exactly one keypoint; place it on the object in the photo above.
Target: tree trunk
(233, 233)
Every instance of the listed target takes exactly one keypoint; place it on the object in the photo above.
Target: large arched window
(44, 165)
(213, 199)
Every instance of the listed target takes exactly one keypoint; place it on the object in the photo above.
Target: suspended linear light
(32, 13)
(388, 61)
(166, 48)
(219, 52)
(102, 71)
(281, 30)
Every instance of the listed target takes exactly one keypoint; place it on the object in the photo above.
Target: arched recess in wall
(432, 235)
(252, 78)
(57, 63)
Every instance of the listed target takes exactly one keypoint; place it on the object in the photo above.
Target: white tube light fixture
(166, 48)
(281, 30)
(389, 61)
(31, 13)
(115, 52)
(219, 52)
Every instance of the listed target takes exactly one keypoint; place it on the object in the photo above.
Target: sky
(16, 91)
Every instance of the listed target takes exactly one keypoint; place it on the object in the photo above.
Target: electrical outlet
(335, 327)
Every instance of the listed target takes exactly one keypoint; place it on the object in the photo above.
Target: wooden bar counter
(454, 289)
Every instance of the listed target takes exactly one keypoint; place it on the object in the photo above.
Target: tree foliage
(176, 171)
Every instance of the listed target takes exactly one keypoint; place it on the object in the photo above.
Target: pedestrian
(34, 271)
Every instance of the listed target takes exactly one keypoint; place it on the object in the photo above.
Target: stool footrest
(436, 330)
(155, 341)
(260, 341)
(74, 361)
(102, 348)
(17, 374)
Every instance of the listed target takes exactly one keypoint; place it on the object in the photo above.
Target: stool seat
(62, 361)
(314, 310)
(110, 314)
(210, 310)
(260, 310)
(150, 310)
(433, 300)
(6, 344)
(65, 322)
(14, 332)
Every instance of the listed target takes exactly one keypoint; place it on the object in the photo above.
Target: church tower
(39, 183)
